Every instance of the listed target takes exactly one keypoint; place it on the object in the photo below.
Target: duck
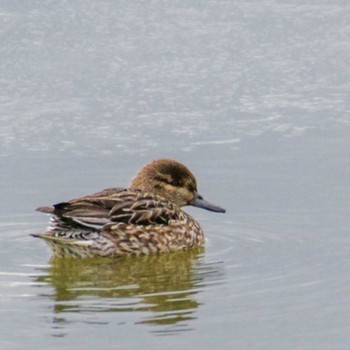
(145, 218)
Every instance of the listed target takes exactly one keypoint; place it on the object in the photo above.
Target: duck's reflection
(164, 286)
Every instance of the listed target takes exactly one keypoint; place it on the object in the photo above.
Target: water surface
(253, 97)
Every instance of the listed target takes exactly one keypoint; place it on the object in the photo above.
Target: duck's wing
(113, 205)
(145, 209)
(86, 212)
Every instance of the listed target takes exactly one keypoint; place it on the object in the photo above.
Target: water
(253, 97)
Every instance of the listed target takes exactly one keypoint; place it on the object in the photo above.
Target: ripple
(279, 262)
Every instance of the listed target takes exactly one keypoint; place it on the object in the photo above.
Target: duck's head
(173, 181)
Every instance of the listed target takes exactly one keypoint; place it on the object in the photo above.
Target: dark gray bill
(199, 202)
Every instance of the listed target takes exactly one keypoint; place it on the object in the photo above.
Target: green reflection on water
(165, 286)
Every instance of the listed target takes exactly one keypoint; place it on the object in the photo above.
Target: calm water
(253, 97)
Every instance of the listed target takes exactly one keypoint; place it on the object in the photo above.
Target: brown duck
(143, 219)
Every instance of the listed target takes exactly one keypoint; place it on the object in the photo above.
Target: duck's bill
(199, 202)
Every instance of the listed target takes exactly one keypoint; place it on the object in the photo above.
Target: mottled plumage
(144, 219)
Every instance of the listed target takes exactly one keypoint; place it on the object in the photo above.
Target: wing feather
(111, 206)
(145, 209)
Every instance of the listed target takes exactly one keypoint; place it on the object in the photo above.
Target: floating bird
(142, 219)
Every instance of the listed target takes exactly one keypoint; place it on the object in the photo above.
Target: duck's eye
(174, 183)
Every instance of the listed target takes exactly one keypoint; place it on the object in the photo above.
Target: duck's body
(144, 219)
